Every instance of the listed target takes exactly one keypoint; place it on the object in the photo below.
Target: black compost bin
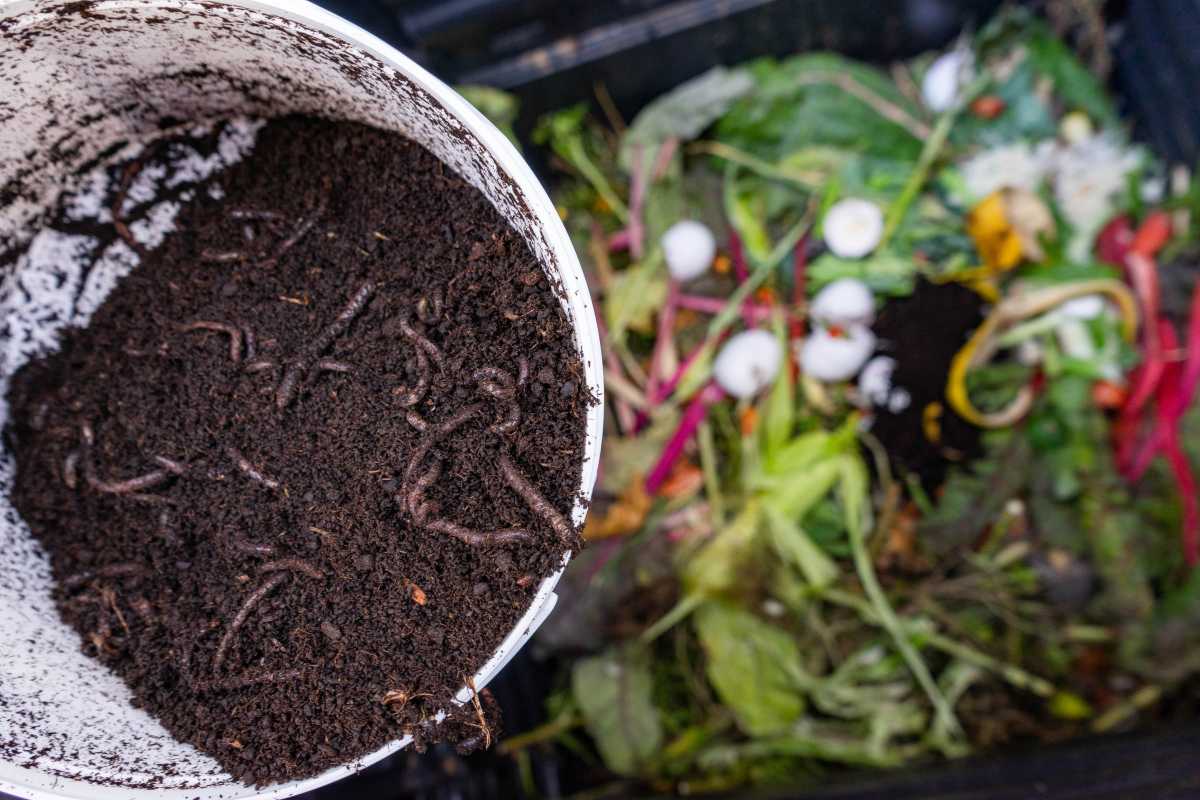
(552, 53)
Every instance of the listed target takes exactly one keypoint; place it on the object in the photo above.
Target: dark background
(553, 53)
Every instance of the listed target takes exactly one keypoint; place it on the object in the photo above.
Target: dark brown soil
(280, 583)
(922, 361)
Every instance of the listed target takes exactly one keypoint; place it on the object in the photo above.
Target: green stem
(929, 154)
(755, 164)
(890, 623)
(672, 618)
(1142, 698)
(1011, 673)
(712, 481)
(761, 272)
(579, 158)
(545, 732)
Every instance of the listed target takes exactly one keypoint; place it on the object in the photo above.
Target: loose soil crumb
(297, 475)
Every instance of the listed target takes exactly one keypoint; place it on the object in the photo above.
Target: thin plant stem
(712, 481)
(934, 143)
(888, 620)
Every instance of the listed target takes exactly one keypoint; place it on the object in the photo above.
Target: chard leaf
(613, 690)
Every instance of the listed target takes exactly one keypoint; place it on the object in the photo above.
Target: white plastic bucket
(77, 77)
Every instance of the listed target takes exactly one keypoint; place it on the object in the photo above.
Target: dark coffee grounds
(308, 463)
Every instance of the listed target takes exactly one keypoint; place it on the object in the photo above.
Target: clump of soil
(308, 463)
(926, 436)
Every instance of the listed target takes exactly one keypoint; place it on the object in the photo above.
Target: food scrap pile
(901, 371)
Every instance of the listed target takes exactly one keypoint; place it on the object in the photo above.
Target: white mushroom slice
(853, 227)
(748, 363)
(830, 358)
(689, 248)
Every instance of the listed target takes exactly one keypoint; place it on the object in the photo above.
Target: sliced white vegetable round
(689, 247)
(1089, 306)
(830, 358)
(875, 380)
(939, 87)
(853, 227)
(846, 301)
(748, 363)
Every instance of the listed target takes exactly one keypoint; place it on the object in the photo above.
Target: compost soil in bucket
(307, 465)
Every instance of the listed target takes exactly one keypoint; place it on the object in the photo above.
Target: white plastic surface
(76, 79)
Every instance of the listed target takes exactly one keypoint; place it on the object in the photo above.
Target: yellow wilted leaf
(623, 517)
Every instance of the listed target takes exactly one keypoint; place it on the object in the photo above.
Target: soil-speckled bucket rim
(576, 300)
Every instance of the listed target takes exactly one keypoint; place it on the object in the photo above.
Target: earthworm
(420, 341)
(416, 495)
(416, 394)
(255, 597)
(498, 382)
(458, 420)
(245, 466)
(510, 422)
(417, 421)
(143, 497)
(147, 481)
(251, 342)
(291, 378)
(423, 512)
(522, 371)
(70, 469)
(441, 429)
(165, 530)
(427, 314)
(248, 547)
(118, 215)
(496, 390)
(246, 679)
(221, 256)
(478, 538)
(119, 570)
(298, 233)
(259, 365)
(86, 434)
(330, 365)
(254, 214)
(235, 335)
(534, 499)
(170, 465)
(287, 387)
(292, 565)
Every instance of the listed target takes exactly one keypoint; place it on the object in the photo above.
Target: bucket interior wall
(74, 80)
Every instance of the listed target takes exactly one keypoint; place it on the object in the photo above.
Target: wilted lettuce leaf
(752, 665)
(613, 690)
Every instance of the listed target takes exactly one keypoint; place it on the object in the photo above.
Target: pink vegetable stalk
(692, 417)
(668, 386)
(624, 411)
(664, 340)
(715, 305)
(637, 202)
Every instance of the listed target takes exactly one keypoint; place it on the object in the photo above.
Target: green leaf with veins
(753, 665)
(613, 690)
(683, 113)
(803, 102)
